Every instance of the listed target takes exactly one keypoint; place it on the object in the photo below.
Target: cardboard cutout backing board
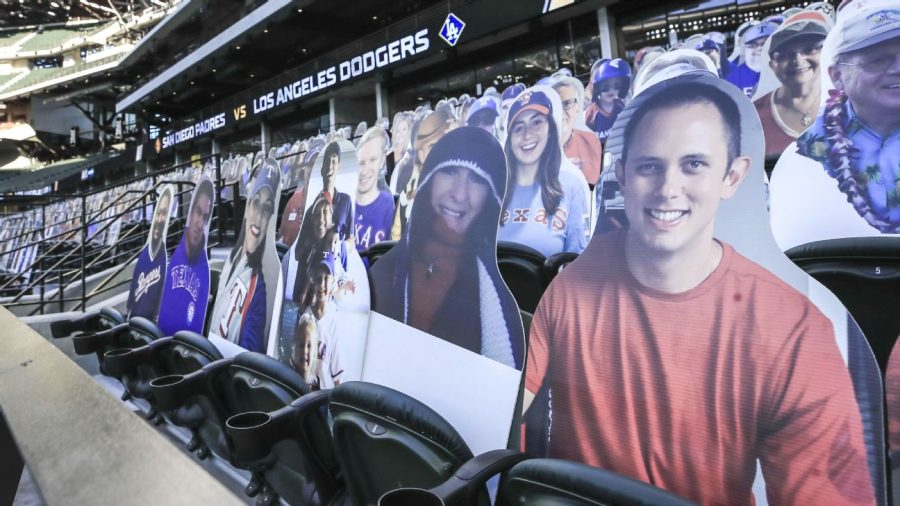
(324, 313)
(251, 278)
(186, 291)
(444, 328)
(547, 205)
(374, 203)
(840, 178)
(150, 269)
(686, 350)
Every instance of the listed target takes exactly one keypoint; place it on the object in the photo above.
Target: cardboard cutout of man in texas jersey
(323, 321)
(150, 269)
(444, 328)
(186, 293)
(374, 212)
(250, 280)
(685, 350)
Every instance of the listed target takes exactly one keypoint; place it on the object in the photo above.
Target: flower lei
(837, 160)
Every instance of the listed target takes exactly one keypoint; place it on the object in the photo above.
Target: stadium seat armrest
(65, 328)
(86, 344)
(465, 484)
(253, 434)
(172, 391)
(122, 361)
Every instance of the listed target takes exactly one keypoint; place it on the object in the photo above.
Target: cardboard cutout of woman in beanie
(250, 278)
(442, 283)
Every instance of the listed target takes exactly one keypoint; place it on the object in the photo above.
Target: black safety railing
(77, 247)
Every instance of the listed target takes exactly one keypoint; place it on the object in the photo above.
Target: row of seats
(350, 445)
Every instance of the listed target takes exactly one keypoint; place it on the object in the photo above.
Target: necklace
(806, 118)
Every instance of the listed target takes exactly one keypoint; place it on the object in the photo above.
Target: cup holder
(118, 352)
(410, 497)
(167, 381)
(248, 420)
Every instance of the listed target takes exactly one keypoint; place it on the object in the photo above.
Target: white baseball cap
(865, 23)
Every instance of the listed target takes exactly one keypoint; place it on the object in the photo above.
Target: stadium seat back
(522, 269)
(864, 273)
(387, 440)
(565, 483)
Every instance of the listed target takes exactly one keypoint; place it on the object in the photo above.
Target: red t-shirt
(584, 150)
(686, 391)
(777, 140)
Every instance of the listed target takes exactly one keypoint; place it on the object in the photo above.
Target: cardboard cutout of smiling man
(685, 350)
(150, 269)
(186, 293)
(374, 202)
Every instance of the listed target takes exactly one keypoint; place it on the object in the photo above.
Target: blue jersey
(186, 292)
(744, 78)
(147, 284)
(526, 221)
(602, 122)
(373, 221)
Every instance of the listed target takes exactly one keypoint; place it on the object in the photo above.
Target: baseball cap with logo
(530, 100)
(759, 31)
(268, 175)
(807, 24)
(326, 260)
(863, 24)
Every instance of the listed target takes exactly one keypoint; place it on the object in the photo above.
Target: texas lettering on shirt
(528, 215)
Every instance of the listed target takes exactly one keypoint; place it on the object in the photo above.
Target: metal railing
(63, 263)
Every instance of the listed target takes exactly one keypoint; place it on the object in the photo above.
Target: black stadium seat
(387, 440)
(864, 273)
(551, 481)
(376, 251)
(251, 382)
(536, 481)
(522, 269)
(183, 353)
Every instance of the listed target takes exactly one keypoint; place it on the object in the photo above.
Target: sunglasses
(786, 56)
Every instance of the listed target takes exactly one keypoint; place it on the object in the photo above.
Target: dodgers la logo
(452, 29)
